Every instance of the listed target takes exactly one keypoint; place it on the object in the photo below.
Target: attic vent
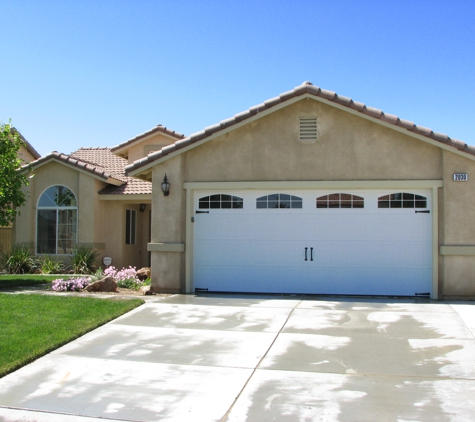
(308, 130)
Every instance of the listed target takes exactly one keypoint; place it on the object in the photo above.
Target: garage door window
(279, 200)
(402, 200)
(340, 200)
(220, 201)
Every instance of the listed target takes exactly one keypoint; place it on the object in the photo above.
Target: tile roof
(132, 187)
(306, 89)
(156, 129)
(102, 163)
(102, 158)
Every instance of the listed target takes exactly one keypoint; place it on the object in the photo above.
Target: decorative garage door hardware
(423, 211)
(202, 212)
(311, 254)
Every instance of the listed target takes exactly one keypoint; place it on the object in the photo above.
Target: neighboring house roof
(307, 89)
(28, 146)
(103, 164)
(122, 148)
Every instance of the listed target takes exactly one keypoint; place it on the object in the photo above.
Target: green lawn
(12, 280)
(32, 325)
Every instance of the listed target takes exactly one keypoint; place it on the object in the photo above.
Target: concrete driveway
(188, 358)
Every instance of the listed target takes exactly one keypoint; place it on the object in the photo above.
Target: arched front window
(57, 221)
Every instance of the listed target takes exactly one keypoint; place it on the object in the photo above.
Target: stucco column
(168, 231)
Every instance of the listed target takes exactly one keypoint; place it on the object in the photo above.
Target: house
(312, 192)
(26, 154)
(86, 199)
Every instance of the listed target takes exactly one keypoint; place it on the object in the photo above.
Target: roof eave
(105, 177)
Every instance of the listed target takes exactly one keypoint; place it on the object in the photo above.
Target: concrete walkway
(188, 358)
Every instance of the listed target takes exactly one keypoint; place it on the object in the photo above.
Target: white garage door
(315, 242)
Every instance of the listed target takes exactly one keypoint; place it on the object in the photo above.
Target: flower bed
(126, 278)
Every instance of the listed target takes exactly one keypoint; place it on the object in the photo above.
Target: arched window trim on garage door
(402, 200)
(340, 200)
(278, 200)
(220, 201)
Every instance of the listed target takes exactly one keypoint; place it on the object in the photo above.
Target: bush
(50, 265)
(71, 285)
(125, 278)
(19, 261)
(84, 261)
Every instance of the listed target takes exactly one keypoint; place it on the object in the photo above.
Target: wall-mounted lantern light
(165, 186)
(142, 207)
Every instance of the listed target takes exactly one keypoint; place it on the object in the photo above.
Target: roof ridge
(158, 128)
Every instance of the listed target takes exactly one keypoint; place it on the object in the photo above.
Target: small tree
(11, 180)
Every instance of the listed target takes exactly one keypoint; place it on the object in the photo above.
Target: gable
(145, 143)
(306, 91)
(347, 148)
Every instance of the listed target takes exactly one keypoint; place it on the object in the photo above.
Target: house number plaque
(460, 177)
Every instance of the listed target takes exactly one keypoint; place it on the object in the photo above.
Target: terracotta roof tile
(373, 112)
(356, 105)
(421, 130)
(133, 186)
(406, 124)
(389, 118)
(305, 89)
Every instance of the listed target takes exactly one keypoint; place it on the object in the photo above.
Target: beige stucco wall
(168, 226)
(458, 277)
(153, 143)
(114, 224)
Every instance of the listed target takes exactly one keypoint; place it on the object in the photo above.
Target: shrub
(84, 261)
(50, 265)
(98, 275)
(19, 261)
(71, 285)
(125, 278)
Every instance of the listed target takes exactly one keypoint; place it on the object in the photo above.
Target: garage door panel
(371, 281)
(260, 279)
(255, 253)
(372, 254)
(367, 251)
(345, 281)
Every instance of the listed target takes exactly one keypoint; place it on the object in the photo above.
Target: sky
(90, 73)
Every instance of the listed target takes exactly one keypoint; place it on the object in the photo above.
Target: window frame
(404, 202)
(72, 229)
(130, 226)
(215, 201)
(279, 199)
(330, 201)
